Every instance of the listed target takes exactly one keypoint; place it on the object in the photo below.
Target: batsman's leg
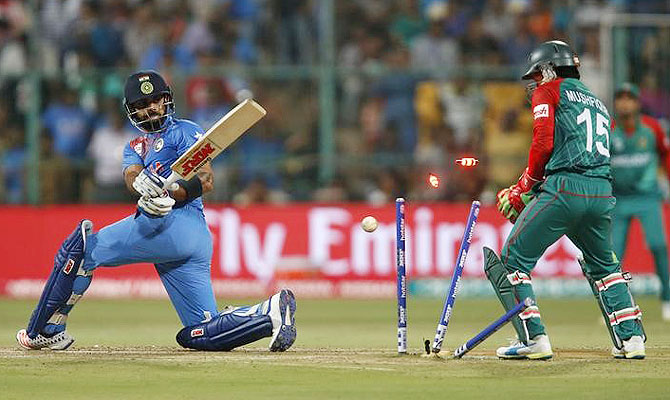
(236, 327)
(66, 284)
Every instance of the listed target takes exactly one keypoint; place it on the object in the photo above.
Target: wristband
(193, 187)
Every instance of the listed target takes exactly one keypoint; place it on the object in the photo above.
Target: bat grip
(171, 182)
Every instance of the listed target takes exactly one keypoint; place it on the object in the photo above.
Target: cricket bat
(217, 138)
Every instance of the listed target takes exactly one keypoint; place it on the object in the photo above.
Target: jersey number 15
(601, 130)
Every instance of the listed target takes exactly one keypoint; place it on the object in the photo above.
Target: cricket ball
(369, 224)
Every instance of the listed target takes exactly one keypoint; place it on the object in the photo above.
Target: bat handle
(171, 182)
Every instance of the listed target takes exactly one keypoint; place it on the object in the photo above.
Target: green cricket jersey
(635, 158)
(581, 128)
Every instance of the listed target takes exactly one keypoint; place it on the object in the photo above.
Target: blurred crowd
(419, 83)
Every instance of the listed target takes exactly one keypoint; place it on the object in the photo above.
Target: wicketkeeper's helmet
(554, 53)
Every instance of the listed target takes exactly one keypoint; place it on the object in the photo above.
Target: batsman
(169, 230)
(566, 189)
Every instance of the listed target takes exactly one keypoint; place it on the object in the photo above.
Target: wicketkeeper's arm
(545, 99)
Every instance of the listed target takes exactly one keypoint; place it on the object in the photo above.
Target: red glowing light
(467, 161)
(434, 180)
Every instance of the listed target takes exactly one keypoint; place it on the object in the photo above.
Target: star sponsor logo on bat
(200, 156)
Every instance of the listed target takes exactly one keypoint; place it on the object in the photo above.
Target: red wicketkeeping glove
(523, 186)
(511, 201)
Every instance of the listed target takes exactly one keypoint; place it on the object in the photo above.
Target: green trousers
(647, 210)
(579, 207)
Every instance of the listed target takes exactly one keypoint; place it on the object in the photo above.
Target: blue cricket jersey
(157, 151)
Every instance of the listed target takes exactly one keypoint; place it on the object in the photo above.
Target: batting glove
(148, 184)
(156, 206)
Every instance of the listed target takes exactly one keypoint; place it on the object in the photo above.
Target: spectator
(464, 106)
(261, 154)
(12, 52)
(478, 47)
(68, 126)
(67, 123)
(655, 100)
(296, 31)
(210, 102)
(458, 16)
(258, 192)
(389, 185)
(590, 68)
(497, 21)
(142, 24)
(13, 165)
(106, 151)
(363, 50)
(105, 41)
(541, 22)
(396, 90)
(434, 50)
(335, 191)
(408, 23)
(167, 51)
(516, 47)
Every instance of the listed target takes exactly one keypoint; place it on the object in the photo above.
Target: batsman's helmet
(554, 53)
(140, 90)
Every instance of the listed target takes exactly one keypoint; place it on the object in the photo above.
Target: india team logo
(146, 87)
(158, 145)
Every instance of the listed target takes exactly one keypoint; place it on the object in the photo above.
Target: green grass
(345, 350)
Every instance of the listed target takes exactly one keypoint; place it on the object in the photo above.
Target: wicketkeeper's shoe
(282, 313)
(538, 348)
(59, 341)
(633, 348)
(665, 311)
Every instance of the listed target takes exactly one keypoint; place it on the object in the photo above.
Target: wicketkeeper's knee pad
(66, 284)
(225, 332)
(511, 286)
(622, 317)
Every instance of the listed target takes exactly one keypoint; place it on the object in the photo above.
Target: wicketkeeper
(565, 190)
(168, 230)
(639, 146)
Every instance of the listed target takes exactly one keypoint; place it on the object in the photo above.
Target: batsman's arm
(206, 177)
(129, 175)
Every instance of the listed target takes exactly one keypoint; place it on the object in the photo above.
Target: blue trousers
(180, 247)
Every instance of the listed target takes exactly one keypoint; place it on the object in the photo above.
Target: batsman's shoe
(665, 311)
(282, 314)
(59, 341)
(538, 348)
(633, 348)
